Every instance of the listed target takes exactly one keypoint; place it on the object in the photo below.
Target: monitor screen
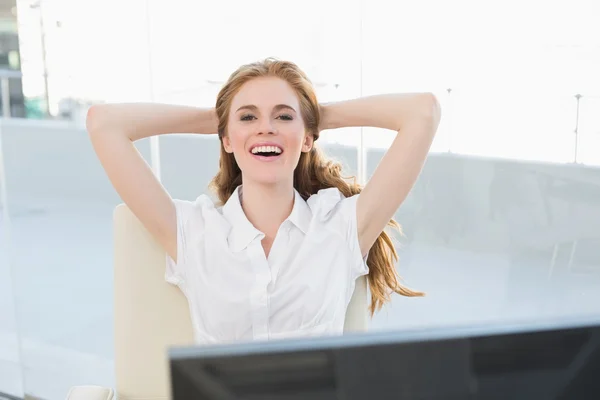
(532, 363)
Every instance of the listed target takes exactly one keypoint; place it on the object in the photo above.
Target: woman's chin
(270, 178)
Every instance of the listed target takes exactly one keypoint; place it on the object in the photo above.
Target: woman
(281, 256)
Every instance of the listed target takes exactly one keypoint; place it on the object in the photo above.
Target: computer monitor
(540, 361)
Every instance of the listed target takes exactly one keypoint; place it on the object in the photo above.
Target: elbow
(423, 109)
(426, 111)
(432, 110)
(93, 120)
(101, 121)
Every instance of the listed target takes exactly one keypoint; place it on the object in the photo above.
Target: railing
(581, 133)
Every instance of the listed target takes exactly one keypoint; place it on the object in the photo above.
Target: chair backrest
(151, 315)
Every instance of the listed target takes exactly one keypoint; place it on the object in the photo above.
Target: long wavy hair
(313, 172)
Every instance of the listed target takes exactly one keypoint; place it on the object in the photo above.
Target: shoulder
(331, 203)
(337, 213)
(202, 203)
(196, 212)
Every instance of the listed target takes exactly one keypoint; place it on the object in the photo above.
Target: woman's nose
(266, 127)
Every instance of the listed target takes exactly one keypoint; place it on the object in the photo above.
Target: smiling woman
(279, 257)
(267, 115)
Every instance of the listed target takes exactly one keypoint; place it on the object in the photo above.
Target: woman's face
(265, 131)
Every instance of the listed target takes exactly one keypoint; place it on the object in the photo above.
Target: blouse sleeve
(340, 212)
(190, 229)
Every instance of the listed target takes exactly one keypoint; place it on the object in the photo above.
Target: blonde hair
(313, 172)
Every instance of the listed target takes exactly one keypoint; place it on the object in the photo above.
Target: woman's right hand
(113, 128)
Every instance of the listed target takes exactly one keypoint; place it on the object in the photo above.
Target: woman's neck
(267, 206)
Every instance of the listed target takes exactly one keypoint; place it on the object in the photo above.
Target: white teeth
(266, 149)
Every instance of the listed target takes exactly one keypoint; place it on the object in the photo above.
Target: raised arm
(416, 118)
(113, 128)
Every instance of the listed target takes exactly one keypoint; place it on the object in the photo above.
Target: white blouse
(235, 293)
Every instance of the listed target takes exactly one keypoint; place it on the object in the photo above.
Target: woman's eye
(247, 117)
(286, 117)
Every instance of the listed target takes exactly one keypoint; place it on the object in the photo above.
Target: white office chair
(152, 315)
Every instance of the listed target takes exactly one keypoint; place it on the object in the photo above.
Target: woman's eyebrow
(252, 107)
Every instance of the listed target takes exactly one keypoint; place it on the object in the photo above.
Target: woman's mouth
(267, 153)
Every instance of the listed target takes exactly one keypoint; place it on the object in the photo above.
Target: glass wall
(11, 101)
(10, 358)
(496, 224)
(536, 81)
(499, 226)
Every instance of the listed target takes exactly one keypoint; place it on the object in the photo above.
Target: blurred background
(501, 227)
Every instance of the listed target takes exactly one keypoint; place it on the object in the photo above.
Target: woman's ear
(227, 144)
(308, 143)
